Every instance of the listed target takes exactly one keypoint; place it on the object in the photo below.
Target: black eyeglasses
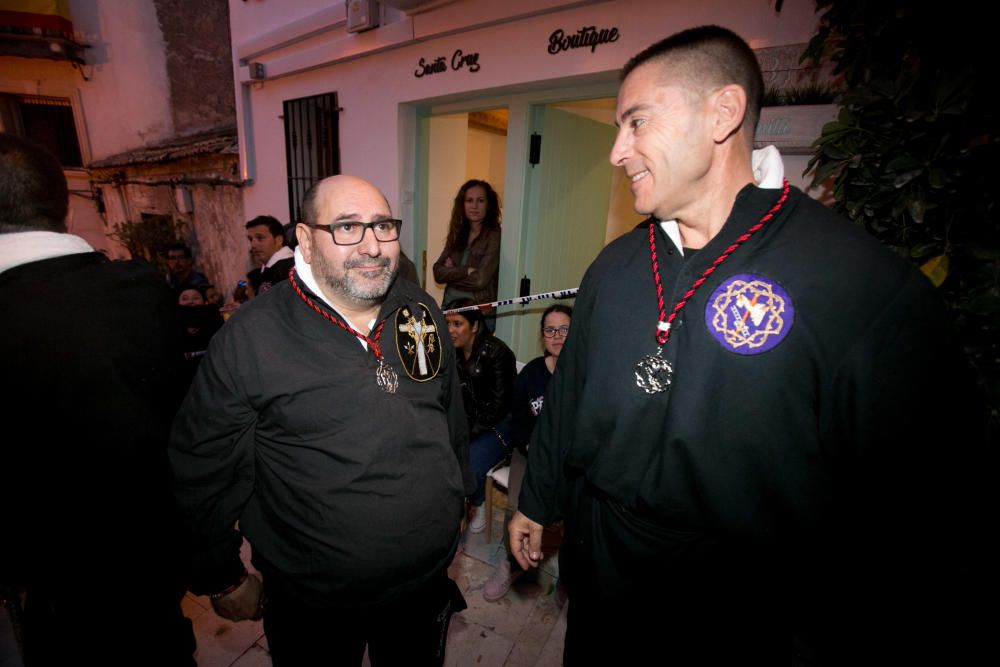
(550, 332)
(352, 232)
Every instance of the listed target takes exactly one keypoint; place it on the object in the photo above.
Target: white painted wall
(511, 56)
(125, 102)
(458, 153)
(485, 157)
(449, 137)
(306, 50)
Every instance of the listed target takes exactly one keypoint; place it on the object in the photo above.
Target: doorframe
(523, 119)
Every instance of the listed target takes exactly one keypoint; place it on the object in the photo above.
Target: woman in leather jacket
(469, 265)
(487, 368)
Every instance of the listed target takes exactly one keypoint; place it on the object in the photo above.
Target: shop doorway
(561, 203)
(462, 146)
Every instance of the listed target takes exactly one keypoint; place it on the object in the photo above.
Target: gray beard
(348, 287)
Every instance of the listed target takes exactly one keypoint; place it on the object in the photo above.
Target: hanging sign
(459, 60)
(589, 36)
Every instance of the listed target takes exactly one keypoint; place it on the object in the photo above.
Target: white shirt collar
(25, 247)
(284, 252)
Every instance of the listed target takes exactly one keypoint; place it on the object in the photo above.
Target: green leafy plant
(148, 239)
(914, 152)
(808, 94)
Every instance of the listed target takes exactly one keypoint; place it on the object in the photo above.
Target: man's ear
(304, 236)
(729, 106)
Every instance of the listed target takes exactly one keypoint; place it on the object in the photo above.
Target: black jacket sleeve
(490, 385)
(211, 452)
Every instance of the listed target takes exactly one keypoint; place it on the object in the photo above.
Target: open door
(460, 147)
(569, 191)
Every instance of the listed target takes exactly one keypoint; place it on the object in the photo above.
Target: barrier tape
(558, 294)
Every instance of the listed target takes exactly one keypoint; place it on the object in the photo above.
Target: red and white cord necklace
(385, 376)
(653, 373)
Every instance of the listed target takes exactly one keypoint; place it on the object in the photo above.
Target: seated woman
(486, 367)
(529, 395)
(469, 266)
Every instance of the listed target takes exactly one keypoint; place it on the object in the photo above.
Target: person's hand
(245, 603)
(227, 309)
(525, 540)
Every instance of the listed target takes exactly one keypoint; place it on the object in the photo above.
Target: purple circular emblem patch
(749, 314)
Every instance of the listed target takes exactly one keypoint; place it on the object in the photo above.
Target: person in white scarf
(88, 393)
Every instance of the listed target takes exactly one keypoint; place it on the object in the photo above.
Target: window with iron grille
(47, 121)
(312, 145)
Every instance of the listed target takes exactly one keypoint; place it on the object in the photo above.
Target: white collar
(25, 247)
(305, 273)
(284, 252)
(768, 171)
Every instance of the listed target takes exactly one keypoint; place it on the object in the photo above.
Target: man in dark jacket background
(271, 256)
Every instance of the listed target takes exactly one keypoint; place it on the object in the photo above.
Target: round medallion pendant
(653, 373)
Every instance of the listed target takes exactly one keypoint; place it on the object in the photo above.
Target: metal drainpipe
(248, 160)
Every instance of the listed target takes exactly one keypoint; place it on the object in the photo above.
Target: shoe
(478, 522)
(500, 581)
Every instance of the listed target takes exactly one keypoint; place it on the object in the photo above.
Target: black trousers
(643, 594)
(411, 630)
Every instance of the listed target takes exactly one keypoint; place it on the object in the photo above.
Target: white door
(567, 211)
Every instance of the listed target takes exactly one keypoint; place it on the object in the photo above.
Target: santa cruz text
(440, 64)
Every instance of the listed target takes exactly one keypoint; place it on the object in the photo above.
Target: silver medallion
(386, 378)
(653, 373)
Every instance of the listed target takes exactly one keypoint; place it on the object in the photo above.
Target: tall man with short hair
(750, 432)
(90, 531)
(269, 252)
(342, 451)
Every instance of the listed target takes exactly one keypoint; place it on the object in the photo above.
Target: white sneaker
(478, 522)
(500, 581)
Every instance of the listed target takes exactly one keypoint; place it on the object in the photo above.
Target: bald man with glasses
(343, 455)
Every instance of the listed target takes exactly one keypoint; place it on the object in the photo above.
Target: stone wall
(212, 214)
(199, 63)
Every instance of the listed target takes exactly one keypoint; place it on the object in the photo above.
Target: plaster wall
(446, 172)
(126, 102)
(83, 218)
(485, 158)
(213, 226)
(512, 57)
